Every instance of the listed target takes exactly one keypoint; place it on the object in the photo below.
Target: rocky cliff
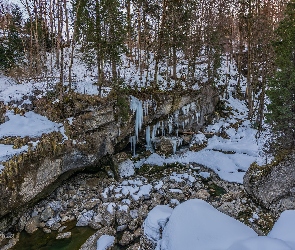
(94, 129)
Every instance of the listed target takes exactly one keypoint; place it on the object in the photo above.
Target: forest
(141, 124)
(164, 39)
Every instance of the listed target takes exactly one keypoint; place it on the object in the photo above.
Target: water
(42, 241)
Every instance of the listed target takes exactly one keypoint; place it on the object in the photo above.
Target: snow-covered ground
(229, 157)
(196, 225)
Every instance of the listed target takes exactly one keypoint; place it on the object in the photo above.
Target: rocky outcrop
(94, 131)
(273, 186)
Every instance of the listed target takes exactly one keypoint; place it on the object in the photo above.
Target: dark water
(42, 241)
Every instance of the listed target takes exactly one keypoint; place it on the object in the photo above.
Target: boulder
(273, 184)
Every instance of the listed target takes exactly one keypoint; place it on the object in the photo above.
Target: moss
(216, 190)
(123, 110)
(257, 172)
(153, 171)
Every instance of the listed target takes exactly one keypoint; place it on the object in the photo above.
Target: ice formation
(136, 106)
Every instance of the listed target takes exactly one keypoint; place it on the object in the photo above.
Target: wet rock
(32, 225)
(47, 230)
(66, 235)
(91, 242)
(55, 226)
(62, 228)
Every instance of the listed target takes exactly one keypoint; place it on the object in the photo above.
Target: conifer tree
(11, 46)
(282, 86)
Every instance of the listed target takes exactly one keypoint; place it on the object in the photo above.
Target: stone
(66, 235)
(55, 226)
(47, 214)
(163, 146)
(272, 183)
(62, 228)
(203, 194)
(126, 239)
(90, 243)
(47, 230)
(136, 246)
(32, 225)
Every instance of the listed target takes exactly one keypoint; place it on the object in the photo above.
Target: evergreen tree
(11, 46)
(101, 26)
(282, 87)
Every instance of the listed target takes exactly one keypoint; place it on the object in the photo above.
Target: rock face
(273, 186)
(95, 130)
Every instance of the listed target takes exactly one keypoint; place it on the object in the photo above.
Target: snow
(259, 243)
(229, 157)
(284, 228)
(126, 168)
(195, 224)
(204, 174)
(104, 242)
(155, 221)
(30, 124)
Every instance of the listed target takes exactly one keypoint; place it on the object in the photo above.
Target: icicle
(174, 146)
(132, 141)
(176, 114)
(170, 123)
(148, 137)
(163, 129)
(136, 106)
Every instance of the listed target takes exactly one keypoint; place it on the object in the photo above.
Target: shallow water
(43, 241)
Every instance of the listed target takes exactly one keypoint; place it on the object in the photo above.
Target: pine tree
(282, 87)
(11, 46)
(101, 26)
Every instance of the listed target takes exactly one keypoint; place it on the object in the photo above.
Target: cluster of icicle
(141, 109)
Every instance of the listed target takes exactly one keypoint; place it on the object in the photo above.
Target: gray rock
(66, 235)
(47, 214)
(272, 183)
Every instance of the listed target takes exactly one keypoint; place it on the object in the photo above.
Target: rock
(272, 183)
(22, 223)
(2, 237)
(46, 230)
(47, 214)
(55, 226)
(126, 239)
(203, 194)
(123, 217)
(84, 219)
(32, 225)
(62, 228)
(11, 242)
(136, 246)
(66, 235)
(91, 242)
(96, 221)
(164, 146)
